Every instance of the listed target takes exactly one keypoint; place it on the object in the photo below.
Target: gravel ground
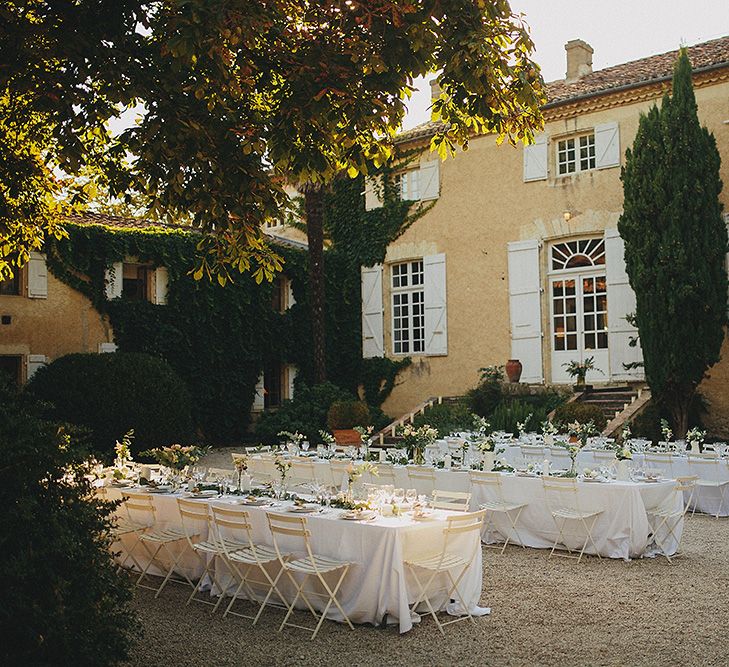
(544, 612)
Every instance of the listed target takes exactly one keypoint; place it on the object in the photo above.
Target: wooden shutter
(259, 398)
(525, 308)
(430, 180)
(373, 343)
(535, 159)
(291, 373)
(37, 276)
(290, 299)
(607, 145)
(620, 302)
(161, 283)
(373, 192)
(436, 302)
(114, 279)
(34, 362)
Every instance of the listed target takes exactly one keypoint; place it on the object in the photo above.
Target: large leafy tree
(675, 245)
(240, 97)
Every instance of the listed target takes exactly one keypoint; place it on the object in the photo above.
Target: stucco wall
(485, 204)
(65, 322)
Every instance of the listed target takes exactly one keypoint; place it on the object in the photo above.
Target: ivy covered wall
(219, 338)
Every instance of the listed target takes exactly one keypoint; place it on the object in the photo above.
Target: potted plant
(579, 370)
(343, 416)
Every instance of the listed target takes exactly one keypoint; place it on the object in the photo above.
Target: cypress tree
(675, 246)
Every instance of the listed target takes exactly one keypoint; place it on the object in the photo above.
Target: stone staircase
(611, 400)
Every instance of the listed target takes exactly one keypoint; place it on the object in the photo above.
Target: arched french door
(578, 307)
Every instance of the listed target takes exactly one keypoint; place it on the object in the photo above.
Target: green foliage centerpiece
(415, 440)
(178, 458)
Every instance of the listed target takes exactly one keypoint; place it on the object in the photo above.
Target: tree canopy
(240, 97)
(675, 245)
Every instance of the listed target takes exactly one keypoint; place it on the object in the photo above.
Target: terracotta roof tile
(635, 72)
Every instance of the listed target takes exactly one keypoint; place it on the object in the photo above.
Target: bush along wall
(217, 338)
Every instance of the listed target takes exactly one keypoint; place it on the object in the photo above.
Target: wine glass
(305, 445)
(411, 495)
(398, 496)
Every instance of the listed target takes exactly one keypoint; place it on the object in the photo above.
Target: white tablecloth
(623, 530)
(708, 499)
(379, 583)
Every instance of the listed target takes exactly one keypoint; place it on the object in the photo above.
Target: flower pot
(346, 436)
(513, 370)
(622, 472)
(695, 448)
(488, 459)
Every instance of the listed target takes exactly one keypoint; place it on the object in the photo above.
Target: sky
(618, 31)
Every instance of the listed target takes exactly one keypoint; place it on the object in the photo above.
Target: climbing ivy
(219, 338)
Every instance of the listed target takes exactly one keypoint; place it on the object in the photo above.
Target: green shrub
(648, 422)
(581, 412)
(65, 602)
(447, 418)
(511, 411)
(347, 414)
(483, 399)
(306, 413)
(112, 393)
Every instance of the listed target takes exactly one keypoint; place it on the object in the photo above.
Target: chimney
(435, 90)
(579, 59)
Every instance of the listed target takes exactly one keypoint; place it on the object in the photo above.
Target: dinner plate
(159, 489)
(304, 509)
(254, 502)
(599, 480)
(358, 516)
(210, 493)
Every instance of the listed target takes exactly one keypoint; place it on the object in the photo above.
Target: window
(273, 385)
(576, 154)
(281, 296)
(594, 312)
(408, 307)
(578, 254)
(136, 283)
(409, 185)
(11, 286)
(10, 366)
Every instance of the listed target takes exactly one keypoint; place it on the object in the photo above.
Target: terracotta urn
(513, 370)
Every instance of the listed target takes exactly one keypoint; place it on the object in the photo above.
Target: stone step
(615, 396)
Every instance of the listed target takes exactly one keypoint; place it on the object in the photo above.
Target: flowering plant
(623, 453)
(548, 428)
(294, 438)
(480, 438)
(666, 431)
(123, 449)
(696, 435)
(176, 456)
(327, 438)
(354, 472)
(365, 434)
(626, 433)
(582, 431)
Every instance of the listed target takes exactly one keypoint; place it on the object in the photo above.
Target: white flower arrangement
(365, 434)
(283, 466)
(327, 438)
(623, 453)
(522, 426)
(240, 462)
(666, 431)
(548, 428)
(294, 438)
(626, 433)
(695, 435)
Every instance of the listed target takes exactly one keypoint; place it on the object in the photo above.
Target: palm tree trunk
(314, 211)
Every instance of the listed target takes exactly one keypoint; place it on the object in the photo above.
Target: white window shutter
(525, 307)
(621, 302)
(373, 334)
(107, 348)
(258, 399)
(607, 145)
(114, 280)
(34, 362)
(373, 192)
(535, 159)
(290, 299)
(436, 305)
(37, 276)
(291, 373)
(430, 180)
(161, 283)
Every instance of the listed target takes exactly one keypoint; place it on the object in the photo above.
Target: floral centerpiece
(283, 466)
(622, 456)
(666, 431)
(415, 440)
(355, 471)
(483, 442)
(365, 433)
(177, 458)
(626, 434)
(579, 433)
(696, 437)
(549, 430)
(240, 463)
(327, 438)
(294, 438)
(123, 459)
(521, 427)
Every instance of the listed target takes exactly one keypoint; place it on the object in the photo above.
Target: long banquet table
(378, 584)
(623, 529)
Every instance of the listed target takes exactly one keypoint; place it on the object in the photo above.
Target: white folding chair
(243, 556)
(564, 506)
(662, 463)
(669, 518)
(194, 513)
(122, 526)
(385, 474)
(560, 458)
(498, 505)
(308, 565)
(303, 473)
(713, 475)
(140, 505)
(339, 470)
(532, 454)
(422, 478)
(604, 457)
(219, 474)
(445, 562)
(458, 501)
